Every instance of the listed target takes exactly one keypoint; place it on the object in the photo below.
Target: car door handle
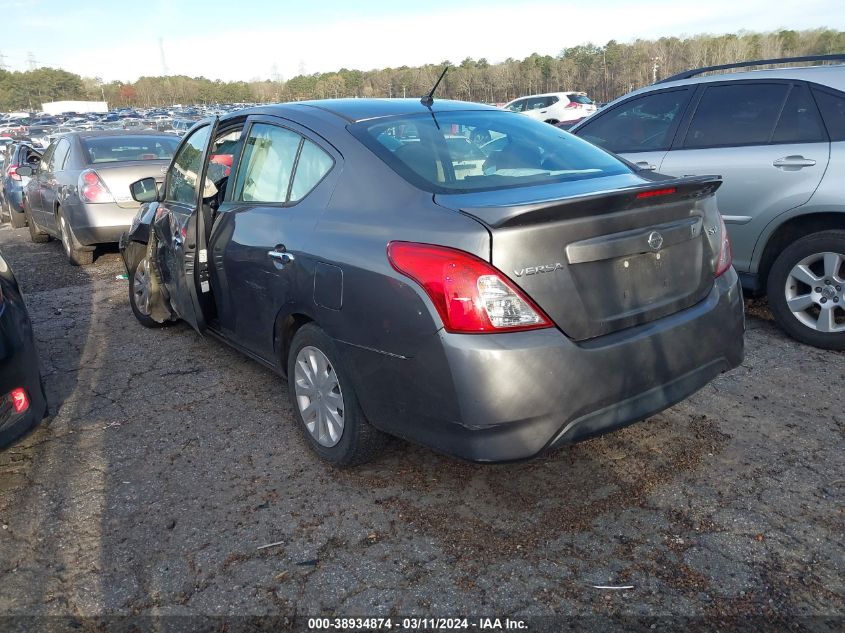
(644, 164)
(281, 256)
(794, 162)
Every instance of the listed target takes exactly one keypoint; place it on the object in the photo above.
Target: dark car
(491, 305)
(22, 400)
(79, 192)
(12, 184)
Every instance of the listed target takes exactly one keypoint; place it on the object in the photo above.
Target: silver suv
(777, 137)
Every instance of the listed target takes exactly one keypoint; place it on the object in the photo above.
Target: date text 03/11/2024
(415, 624)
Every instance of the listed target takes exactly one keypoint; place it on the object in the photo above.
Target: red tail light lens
(656, 192)
(20, 401)
(725, 259)
(470, 295)
(12, 172)
(92, 188)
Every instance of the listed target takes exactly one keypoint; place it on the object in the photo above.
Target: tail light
(12, 172)
(92, 188)
(470, 295)
(572, 104)
(20, 401)
(653, 193)
(725, 259)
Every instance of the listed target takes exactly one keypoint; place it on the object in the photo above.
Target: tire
(806, 288)
(18, 220)
(35, 234)
(76, 254)
(138, 274)
(356, 441)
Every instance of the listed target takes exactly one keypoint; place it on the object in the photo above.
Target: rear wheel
(325, 404)
(35, 234)
(806, 288)
(76, 254)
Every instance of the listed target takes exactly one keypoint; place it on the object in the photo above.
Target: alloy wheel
(815, 292)
(319, 396)
(64, 234)
(141, 288)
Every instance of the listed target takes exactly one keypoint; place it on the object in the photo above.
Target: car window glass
(267, 165)
(735, 114)
(60, 155)
(799, 122)
(833, 112)
(47, 158)
(129, 147)
(314, 163)
(224, 149)
(536, 103)
(482, 151)
(183, 179)
(639, 125)
(517, 106)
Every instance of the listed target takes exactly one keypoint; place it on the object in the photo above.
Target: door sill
(216, 332)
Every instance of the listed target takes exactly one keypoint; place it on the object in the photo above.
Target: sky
(262, 39)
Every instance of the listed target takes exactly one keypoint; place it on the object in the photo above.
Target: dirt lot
(171, 459)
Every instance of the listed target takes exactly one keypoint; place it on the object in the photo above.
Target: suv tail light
(92, 188)
(470, 295)
(725, 259)
(572, 104)
(20, 401)
(12, 172)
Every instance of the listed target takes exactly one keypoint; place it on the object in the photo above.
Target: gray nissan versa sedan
(491, 301)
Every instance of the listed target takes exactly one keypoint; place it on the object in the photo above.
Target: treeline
(604, 72)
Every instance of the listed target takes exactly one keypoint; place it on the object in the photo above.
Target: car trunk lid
(118, 176)
(604, 254)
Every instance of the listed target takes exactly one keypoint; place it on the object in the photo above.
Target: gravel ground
(171, 460)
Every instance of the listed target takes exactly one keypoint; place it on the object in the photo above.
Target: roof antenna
(428, 100)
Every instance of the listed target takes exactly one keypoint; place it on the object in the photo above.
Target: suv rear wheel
(806, 289)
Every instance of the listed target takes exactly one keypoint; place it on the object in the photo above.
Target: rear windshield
(110, 149)
(580, 99)
(482, 150)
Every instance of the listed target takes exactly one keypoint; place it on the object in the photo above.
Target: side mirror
(25, 170)
(144, 190)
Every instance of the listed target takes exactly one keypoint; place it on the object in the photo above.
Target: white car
(554, 107)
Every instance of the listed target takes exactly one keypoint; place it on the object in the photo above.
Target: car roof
(830, 75)
(99, 133)
(355, 110)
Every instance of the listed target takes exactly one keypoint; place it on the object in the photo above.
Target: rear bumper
(100, 223)
(512, 396)
(19, 367)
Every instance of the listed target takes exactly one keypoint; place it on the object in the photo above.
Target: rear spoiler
(612, 201)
